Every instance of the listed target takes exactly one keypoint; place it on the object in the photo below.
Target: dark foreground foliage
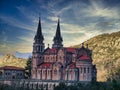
(28, 68)
(114, 85)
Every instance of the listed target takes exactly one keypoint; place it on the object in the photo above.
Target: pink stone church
(59, 62)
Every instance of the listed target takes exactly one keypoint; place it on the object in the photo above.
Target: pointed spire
(58, 33)
(38, 40)
(39, 31)
(58, 38)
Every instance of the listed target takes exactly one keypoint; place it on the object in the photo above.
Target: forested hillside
(106, 55)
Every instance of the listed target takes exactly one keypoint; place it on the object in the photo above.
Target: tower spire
(38, 48)
(39, 31)
(58, 38)
(58, 33)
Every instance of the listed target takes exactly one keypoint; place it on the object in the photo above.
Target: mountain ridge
(106, 54)
(11, 60)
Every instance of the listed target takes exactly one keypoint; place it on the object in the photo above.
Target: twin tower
(39, 46)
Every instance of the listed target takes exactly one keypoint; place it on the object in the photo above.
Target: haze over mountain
(22, 55)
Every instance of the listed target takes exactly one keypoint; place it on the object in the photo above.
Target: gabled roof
(54, 50)
(69, 49)
(84, 49)
(84, 57)
(51, 51)
(11, 68)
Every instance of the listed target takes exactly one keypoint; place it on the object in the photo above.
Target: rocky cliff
(11, 60)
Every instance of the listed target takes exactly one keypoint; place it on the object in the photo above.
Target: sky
(80, 20)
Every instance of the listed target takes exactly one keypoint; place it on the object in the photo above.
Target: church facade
(59, 62)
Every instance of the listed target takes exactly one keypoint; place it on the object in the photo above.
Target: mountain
(106, 55)
(11, 60)
(23, 55)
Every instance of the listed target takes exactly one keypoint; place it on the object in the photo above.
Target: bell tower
(38, 49)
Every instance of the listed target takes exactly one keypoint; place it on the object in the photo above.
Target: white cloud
(52, 18)
(27, 39)
(60, 12)
(70, 29)
(98, 9)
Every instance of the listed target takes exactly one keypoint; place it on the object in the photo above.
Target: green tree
(28, 68)
(115, 85)
(61, 86)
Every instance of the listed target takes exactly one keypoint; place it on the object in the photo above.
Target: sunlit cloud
(52, 18)
(98, 9)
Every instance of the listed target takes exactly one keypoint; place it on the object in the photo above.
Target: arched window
(37, 48)
(84, 70)
(88, 70)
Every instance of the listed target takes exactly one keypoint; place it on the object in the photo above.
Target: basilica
(59, 62)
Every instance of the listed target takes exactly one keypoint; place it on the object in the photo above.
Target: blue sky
(79, 20)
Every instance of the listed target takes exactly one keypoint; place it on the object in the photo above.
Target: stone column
(67, 74)
(45, 74)
(41, 74)
(50, 74)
